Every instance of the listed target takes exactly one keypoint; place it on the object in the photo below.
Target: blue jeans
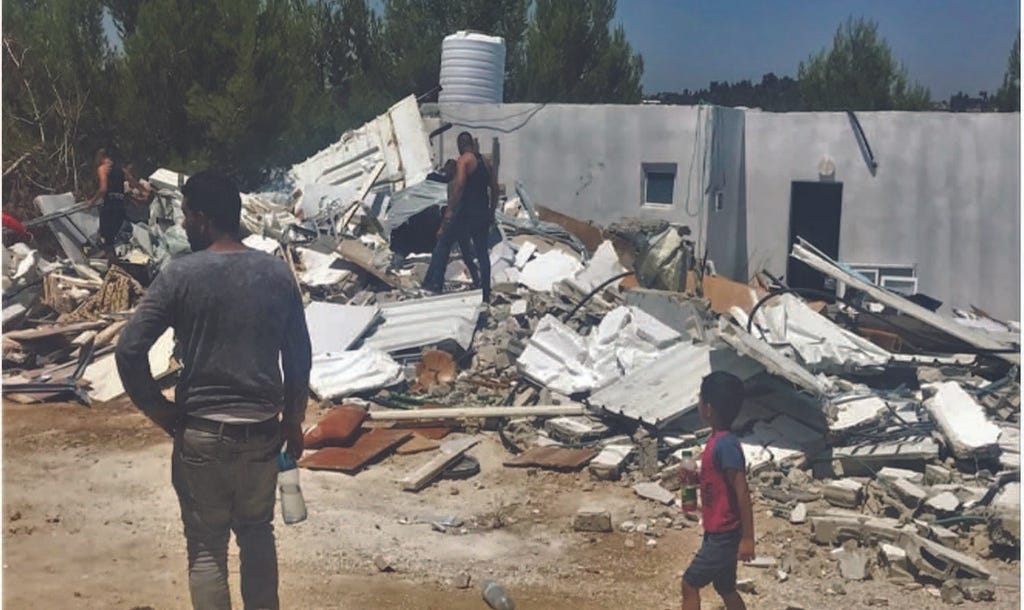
(461, 232)
(226, 485)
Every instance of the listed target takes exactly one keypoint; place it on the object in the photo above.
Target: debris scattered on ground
(590, 354)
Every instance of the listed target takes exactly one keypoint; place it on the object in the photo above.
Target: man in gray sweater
(238, 322)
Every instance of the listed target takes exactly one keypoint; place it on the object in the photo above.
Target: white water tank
(472, 68)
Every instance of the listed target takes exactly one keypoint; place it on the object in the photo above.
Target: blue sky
(946, 45)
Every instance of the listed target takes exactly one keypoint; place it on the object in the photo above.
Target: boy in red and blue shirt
(725, 499)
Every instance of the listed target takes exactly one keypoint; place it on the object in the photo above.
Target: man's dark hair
(215, 195)
(724, 392)
(465, 142)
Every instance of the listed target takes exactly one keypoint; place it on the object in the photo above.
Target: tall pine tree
(572, 54)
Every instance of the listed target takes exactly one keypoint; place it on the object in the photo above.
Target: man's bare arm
(737, 479)
(101, 177)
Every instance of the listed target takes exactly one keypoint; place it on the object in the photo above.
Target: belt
(233, 431)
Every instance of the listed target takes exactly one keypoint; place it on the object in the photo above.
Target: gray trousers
(226, 485)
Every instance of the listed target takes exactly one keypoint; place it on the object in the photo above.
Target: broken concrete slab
(864, 459)
(590, 519)
(798, 514)
(961, 420)
(608, 464)
(945, 502)
(935, 474)
(854, 562)
(845, 493)
(911, 495)
(655, 492)
(575, 430)
(889, 475)
(1004, 527)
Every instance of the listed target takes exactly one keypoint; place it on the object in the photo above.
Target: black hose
(595, 291)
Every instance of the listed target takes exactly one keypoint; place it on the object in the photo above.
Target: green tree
(226, 83)
(859, 72)
(573, 55)
(415, 30)
(57, 87)
(1008, 96)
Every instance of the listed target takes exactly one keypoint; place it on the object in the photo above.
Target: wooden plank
(477, 412)
(44, 332)
(554, 458)
(451, 452)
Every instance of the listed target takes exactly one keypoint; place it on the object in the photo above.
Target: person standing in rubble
(726, 510)
(110, 196)
(472, 200)
(236, 313)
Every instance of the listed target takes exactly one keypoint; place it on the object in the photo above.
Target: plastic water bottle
(293, 506)
(497, 597)
(690, 479)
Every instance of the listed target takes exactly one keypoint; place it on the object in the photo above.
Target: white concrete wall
(946, 196)
(585, 160)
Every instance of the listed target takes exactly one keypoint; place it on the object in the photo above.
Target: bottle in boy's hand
(689, 477)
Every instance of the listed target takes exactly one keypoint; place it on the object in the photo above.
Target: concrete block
(592, 520)
(936, 475)
(607, 465)
(909, 493)
(945, 502)
(891, 474)
(961, 421)
(845, 493)
(655, 492)
(798, 514)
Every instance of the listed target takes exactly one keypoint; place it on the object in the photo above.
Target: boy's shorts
(715, 562)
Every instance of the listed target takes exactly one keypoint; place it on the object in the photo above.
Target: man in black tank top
(110, 177)
(471, 204)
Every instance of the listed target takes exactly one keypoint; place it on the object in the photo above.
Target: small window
(659, 184)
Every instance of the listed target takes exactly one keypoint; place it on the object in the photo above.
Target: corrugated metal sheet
(334, 375)
(425, 322)
(396, 139)
(334, 327)
(669, 387)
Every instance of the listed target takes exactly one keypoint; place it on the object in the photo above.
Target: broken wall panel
(430, 321)
(396, 139)
(668, 388)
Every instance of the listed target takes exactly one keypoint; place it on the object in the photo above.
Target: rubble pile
(590, 356)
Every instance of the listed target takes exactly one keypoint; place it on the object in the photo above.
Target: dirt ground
(90, 521)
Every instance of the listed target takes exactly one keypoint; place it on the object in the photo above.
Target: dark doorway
(814, 212)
